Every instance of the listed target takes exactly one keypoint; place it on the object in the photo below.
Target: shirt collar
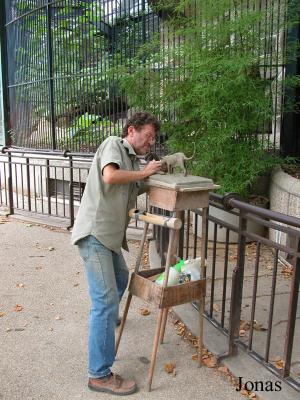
(128, 146)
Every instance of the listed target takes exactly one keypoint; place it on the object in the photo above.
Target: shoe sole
(104, 390)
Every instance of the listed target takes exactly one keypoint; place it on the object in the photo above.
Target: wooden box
(142, 286)
(177, 193)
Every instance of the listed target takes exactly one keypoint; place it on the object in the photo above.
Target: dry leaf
(50, 248)
(2, 314)
(8, 329)
(20, 285)
(210, 362)
(279, 364)
(50, 329)
(169, 367)
(195, 357)
(244, 325)
(18, 307)
(76, 284)
(216, 307)
(144, 311)
(252, 396)
(242, 332)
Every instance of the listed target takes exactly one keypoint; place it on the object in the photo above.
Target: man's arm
(113, 175)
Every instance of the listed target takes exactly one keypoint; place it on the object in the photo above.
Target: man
(99, 231)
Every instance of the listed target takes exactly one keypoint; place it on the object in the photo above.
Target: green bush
(208, 80)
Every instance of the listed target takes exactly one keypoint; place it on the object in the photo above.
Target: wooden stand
(173, 193)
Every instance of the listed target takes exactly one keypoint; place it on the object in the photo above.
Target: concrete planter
(284, 198)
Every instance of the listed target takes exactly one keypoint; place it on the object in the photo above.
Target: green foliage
(208, 80)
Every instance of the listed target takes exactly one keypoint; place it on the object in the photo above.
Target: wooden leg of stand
(154, 350)
(200, 338)
(120, 330)
(163, 325)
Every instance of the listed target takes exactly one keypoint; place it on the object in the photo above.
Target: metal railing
(252, 290)
(45, 183)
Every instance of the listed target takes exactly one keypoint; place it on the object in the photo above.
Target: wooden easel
(165, 195)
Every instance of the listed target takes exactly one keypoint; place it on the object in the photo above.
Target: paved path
(43, 328)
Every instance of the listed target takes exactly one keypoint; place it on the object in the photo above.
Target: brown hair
(138, 120)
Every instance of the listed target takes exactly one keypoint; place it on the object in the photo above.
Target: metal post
(28, 183)
(10, 186)
(292, 314)
(71, 191)
(237, 287)
(48, 10)
(3, 71)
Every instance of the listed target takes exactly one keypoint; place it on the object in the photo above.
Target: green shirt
(104, 207)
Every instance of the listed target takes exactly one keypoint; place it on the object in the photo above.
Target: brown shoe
(113, 384)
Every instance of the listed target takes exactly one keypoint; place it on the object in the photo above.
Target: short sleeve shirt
(104, 207)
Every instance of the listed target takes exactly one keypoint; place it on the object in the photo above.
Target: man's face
(141, 139)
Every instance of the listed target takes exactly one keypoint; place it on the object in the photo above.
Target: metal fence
(60, 94)
(252, 281)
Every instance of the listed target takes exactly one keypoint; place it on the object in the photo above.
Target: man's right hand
(152, 167)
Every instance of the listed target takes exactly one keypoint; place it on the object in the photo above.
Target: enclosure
(72, 72)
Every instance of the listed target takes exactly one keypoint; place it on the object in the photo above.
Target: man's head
(140, 131)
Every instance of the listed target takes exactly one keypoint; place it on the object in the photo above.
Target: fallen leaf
(8, 329)
(144, 311)
(50, 248)
(58, 317)
(279, 364)
(244, 325)
(210, 362)
(76, 284)
(258, 327)
(50, 329)
(216, 307)
(242, 332)
(195, 357)
(20, 285)
(2, 314)
(169, 367)
(51, 304)
(252, 396)
(18, 307)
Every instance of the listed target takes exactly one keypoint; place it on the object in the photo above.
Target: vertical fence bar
(272, 300)
(28, 183)
(71, 191)
(48, 10)
(48, 189)
(237, 287)
(3, 72)
(10, 185)
(292, 313)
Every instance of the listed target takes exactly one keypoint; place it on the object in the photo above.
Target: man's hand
(114, 176)
(152, 168)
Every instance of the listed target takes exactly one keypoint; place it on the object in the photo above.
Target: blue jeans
(107, 276)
